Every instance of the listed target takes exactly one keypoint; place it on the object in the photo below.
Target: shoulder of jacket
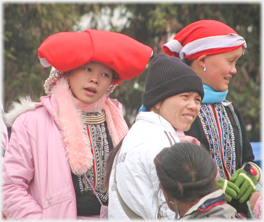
(17, 108)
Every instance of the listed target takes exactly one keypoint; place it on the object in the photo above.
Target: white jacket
(136, 177)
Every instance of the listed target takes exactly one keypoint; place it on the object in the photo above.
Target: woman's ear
(201, 60)
(157, 106)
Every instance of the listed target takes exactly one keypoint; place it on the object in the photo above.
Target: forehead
(98, 64)
(236, 52)
(227, 55)
(191, 93)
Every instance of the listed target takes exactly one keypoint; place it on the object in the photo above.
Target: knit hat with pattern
(169, 76)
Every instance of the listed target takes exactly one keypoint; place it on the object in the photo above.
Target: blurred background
(27, 25)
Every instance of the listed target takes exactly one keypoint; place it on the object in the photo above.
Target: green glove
(246, 179)
(231, 190)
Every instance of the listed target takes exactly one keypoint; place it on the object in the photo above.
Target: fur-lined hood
(61, 106)
(17, 108)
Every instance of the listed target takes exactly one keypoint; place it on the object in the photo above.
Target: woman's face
(90, 81)
(220, 68)
(180, 110)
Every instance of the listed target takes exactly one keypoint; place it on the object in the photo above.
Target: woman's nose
(194, 104)
(191, 103)
(94, 79)
(233, 70)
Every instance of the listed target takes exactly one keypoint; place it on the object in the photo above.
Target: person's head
(211, 48)
(93, 65)
(173, 90)
(186, 173)
(91, 81)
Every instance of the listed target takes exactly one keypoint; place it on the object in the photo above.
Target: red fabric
(3, 216)
(201, 30)
(68, 50)
(167, 51)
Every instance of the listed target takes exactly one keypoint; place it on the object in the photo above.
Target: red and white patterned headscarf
(204, 37)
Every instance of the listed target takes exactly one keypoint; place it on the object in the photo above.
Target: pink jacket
(34, 152)
(37, 182)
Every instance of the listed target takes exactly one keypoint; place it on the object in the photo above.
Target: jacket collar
(207, 202)
(152, 117)
(156, 119)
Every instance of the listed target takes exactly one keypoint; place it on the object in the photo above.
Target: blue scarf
(211, 96)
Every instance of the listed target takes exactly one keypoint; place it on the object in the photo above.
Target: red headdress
(66, 51)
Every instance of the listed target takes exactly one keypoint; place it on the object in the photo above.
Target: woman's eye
(199, 100)
(87, 69)
(105, 75)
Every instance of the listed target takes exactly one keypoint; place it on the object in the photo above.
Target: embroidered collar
(93, 118)
(207, 202)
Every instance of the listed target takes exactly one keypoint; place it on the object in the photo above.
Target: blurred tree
(154, 24)
(27, 25)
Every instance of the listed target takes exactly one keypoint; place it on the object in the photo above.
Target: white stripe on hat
(174, 46)
(213, 42)
(44, 62)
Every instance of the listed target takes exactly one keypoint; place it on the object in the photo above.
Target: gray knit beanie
(169, 76)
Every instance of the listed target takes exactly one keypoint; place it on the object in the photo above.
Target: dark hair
(189, 63)
(186, 171)
(116, 76)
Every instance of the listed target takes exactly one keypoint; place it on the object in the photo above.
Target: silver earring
(175, 209)
(110, 89)
(204, 68)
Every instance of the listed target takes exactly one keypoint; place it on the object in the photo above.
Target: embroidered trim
(239, 128)
(219, 133)
(100, 151)
(97, 119)
(207, 205)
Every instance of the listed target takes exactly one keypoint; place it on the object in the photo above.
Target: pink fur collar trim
(68, 119)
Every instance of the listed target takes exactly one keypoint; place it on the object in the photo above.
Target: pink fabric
(37, 181)
(117, 104)
(257, 210)
(116, 124)
(46, 143)
(187, 139)
(69, 121)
